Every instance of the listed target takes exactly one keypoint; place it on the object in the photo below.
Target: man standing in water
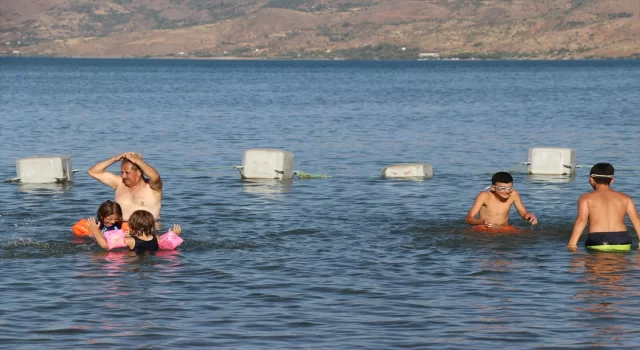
(133, 190)
(604, 209)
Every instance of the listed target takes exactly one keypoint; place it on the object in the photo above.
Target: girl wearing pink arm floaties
(142, 234)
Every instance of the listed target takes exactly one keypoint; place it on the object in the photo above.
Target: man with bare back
(604, 209)
(133, 190)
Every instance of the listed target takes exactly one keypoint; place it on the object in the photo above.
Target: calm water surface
(348, 262)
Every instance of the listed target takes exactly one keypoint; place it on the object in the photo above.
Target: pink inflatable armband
(115, 239)
(169, 241)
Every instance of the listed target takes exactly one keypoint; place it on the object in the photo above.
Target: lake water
(348, 262)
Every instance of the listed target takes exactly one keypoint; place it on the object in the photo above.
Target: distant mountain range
(322, 29)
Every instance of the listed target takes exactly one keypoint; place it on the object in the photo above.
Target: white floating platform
(262, 163)
(552, 161)
(45, 169)
(408, 170)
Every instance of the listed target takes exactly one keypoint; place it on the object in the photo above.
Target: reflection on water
(608, 291)
(604, 273)
(111, 263)
(554, 179)
(116, 263)
(407, 178)
(46, 188)
(267, 187)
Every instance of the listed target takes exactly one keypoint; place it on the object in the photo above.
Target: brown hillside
(541, 29)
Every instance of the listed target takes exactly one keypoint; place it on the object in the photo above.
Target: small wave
(192, 245)
(28, 248)
(298, 232)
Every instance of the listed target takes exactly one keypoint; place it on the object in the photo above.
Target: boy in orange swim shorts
(493, 206)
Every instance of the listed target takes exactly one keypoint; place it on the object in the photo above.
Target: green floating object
(305, 176)
(611, 247)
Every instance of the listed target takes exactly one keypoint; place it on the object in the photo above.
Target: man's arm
(632, 213)
(581, 222)
(99, 173)
(524, 214)
(155, 182)
(475, 210)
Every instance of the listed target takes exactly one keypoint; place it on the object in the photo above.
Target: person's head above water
(131, 173)
(493, 206)
(602, 174)
(503, 177)
(142, 222)
(109, 214)
(502, 184)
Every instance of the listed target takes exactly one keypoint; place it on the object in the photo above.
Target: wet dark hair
(605, 169)
(501, 176)
(109, 208)
(142, 222)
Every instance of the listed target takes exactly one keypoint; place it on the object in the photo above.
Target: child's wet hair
(142, 222)
(606, 170)
(109, 208)
(503, 177)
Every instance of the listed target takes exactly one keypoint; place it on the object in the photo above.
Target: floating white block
(408, 170)
(261, 163)
(552, 161)
(45, 169)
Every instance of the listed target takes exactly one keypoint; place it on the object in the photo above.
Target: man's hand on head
(134, 157)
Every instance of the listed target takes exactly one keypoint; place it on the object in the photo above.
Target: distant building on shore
(432, 55)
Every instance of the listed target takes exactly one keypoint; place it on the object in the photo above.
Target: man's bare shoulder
(585, 199)
(121, 186)
(147, 188)
(514, 195)
(608, 196)
(622, 196)
(483, 196)
(150, 188)
(585, 196)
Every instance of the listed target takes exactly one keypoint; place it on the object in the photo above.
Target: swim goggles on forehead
(503, 188)
(602, 176)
